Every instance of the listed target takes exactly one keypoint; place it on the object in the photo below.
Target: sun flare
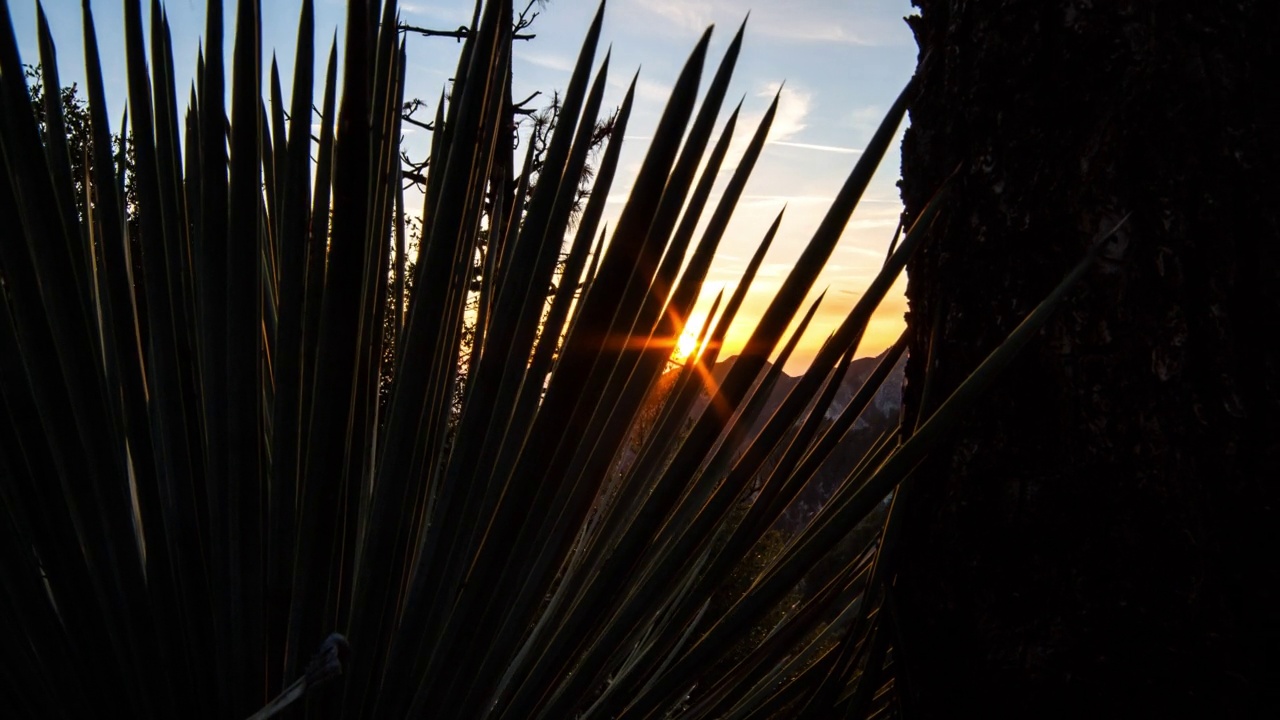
(686, 345)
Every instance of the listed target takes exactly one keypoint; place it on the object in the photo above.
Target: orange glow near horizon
(886, 324)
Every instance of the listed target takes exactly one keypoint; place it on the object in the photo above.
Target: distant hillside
(879, 417)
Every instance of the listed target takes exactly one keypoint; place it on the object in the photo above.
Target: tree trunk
(1100, 540)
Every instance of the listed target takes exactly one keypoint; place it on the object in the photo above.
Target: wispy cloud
(785, 28)
(776, 20)
(791, 118)
(649, 93)
(683, 13)
(793, 110)
(550, 62)
(821, 148)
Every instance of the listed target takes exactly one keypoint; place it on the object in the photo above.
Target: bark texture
(1101, 539)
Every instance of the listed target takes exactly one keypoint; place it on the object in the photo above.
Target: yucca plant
(214, 457)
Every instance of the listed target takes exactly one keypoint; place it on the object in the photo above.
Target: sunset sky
(843, 62)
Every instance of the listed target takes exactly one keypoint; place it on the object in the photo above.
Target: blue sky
(843, 62)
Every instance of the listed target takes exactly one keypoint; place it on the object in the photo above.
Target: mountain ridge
(880, 416)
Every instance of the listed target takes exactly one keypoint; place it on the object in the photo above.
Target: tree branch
(460, 34)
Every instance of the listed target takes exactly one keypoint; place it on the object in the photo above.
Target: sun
(686, 344)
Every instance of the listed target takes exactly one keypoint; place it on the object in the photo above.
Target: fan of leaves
(224, 446)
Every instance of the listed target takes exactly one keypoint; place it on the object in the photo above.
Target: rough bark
(1101, 538)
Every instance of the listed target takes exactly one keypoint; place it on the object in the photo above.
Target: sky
(840, 64)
